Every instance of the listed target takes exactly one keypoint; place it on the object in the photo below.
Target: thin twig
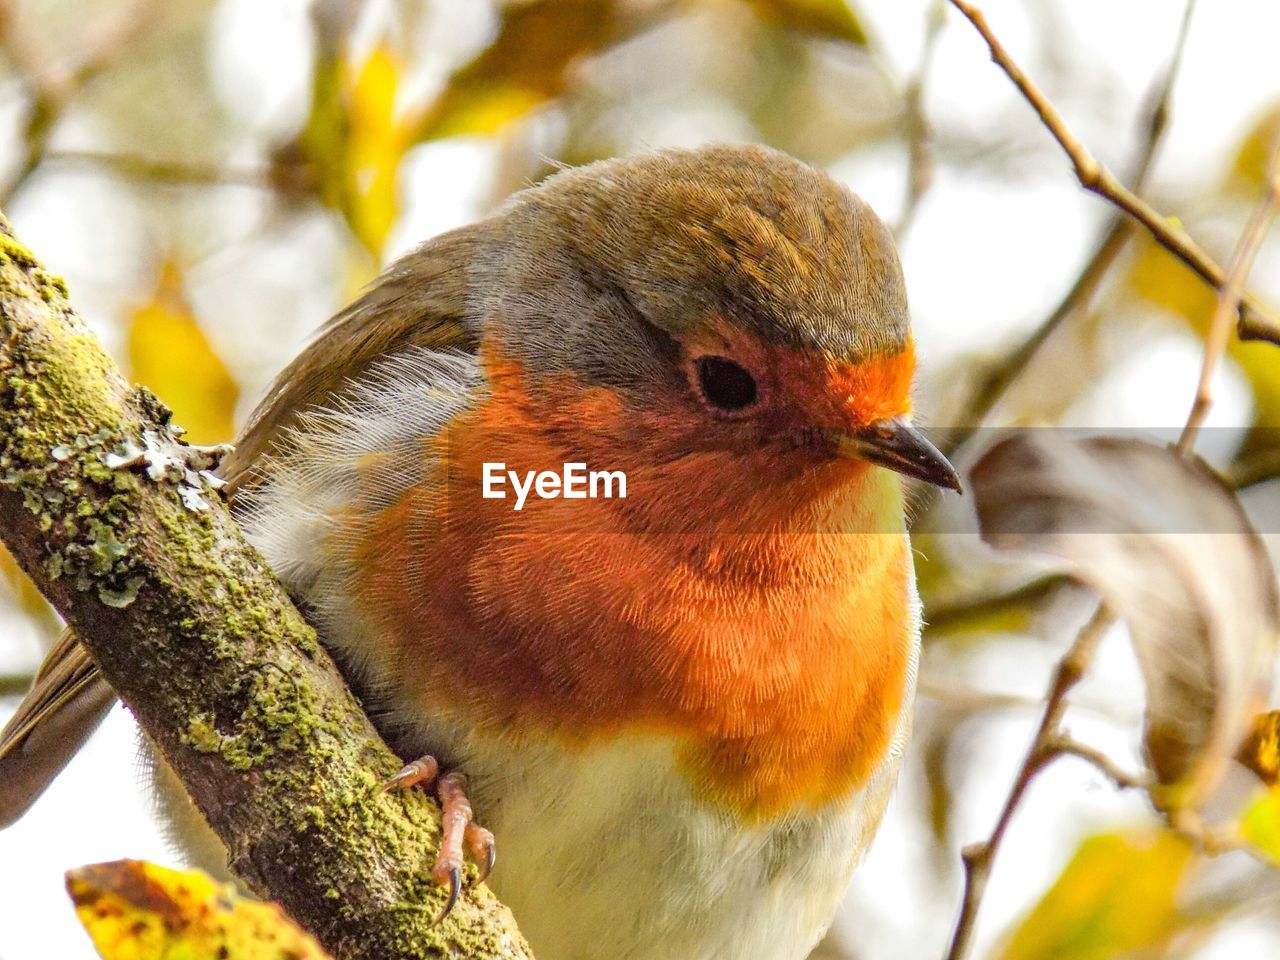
(50, 94)
(1215, 341)
(1118, 233)
(969, 700)
(1254, 468)
(959, 700)
(952, 615)
(166, 171)
(1255, 321)
(1044, 749)
(1066, 746)
(998, 380)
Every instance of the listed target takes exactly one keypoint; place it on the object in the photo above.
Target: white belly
(606, 855)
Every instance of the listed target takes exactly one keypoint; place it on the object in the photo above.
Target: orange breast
(776, 656)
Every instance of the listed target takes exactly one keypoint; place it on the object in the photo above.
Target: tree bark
(193, 631)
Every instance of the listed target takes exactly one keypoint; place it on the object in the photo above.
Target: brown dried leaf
(1260, 751)
(1171, 551)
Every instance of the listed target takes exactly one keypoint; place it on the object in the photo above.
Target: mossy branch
(189, 626)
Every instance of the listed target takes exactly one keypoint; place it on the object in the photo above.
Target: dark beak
(900, 447)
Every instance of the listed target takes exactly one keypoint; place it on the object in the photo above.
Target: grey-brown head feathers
(603, 269)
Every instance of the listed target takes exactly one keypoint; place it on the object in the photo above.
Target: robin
(677, 697)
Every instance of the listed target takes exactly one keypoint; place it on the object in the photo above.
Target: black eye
(725, 384)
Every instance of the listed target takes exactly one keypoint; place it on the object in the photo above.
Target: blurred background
(215, 177)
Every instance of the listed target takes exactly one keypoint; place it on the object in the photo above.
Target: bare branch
(979, 857)
(51, 93)
(1121, 229)
(166, 171)
(956, 613)
(1065, 746)
(1229, 295)
(1255, 322)
(997, 382)
(1254, 468)
(15, 684)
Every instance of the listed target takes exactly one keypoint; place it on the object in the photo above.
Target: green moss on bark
(222, 671)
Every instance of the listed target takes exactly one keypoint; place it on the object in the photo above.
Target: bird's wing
(421, 301)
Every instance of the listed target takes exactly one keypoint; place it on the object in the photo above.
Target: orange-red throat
(708, 606)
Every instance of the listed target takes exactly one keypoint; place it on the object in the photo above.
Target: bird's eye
(725, 384)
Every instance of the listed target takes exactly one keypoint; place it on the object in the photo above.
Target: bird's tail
(65, 704)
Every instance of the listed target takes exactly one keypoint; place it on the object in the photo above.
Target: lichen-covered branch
(197, 637)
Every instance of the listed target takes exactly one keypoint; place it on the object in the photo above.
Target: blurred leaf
(168, 352)
(1260, 824)
(828, 18)
(1117, 894)
(531, 60)
(355, 139)
(1261, 750)
(1000, 610)
(1249, 170)
(1162, 279)
(1172, 552)
(30, 600)
(138, 911)
(377, 143)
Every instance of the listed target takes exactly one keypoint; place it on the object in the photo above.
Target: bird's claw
(459, 828)
(455, 890)
(423, 770)
(483, 849)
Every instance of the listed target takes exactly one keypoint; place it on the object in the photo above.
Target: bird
(669, 714)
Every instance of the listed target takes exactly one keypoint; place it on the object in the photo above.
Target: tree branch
(198, 638)
(1229, 298)
(51, 90)
(1255, 322)
(1050, 743)
(997, 381)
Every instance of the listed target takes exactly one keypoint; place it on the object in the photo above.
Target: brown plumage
(710, 678)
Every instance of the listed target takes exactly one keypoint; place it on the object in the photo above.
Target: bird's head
(726, 300)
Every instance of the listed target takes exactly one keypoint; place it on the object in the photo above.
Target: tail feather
(64, 706)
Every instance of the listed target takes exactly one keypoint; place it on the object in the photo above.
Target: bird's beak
(900, 447)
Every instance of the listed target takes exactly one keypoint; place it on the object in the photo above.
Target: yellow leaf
(31, 601)
(1260, 824)
(138, 911)
(169, 353)
(530, 61)
(376, 145)
(1117, 894)
(1160, 278)
(355, 139)
(1249, 171)
(828, 18)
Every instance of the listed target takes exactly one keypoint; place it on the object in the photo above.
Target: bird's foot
(461, 832)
